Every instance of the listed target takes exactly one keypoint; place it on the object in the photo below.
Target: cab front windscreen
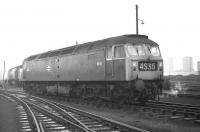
(142, 49)
(154, 50)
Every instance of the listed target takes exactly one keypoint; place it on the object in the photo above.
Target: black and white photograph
(99, 66)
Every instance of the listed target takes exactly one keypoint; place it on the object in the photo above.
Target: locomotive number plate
(147, 66)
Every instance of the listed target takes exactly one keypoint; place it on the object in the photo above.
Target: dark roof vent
(135, 35)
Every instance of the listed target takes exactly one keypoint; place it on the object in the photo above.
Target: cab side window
(109, 52)
(119, 52)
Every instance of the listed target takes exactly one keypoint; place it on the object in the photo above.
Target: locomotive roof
(85, 47)
(16, 67)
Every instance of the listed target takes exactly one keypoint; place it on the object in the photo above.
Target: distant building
(198, 67)
(169, 66)
(187, 64)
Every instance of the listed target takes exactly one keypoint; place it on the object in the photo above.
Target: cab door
(119, 62)
(109, 63)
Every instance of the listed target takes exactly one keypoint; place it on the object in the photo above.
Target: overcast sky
(33, 26)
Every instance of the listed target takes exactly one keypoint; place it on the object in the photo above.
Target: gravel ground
(9, 116)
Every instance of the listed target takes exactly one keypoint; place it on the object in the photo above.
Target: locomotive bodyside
(106, 67)
(82, 67)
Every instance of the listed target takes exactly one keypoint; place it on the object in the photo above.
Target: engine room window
(119, 52)
(109, 53)
(136, 50)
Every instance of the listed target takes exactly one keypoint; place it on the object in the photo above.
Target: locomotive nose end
(140, 85)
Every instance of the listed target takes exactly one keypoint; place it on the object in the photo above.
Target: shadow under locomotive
(125, 68)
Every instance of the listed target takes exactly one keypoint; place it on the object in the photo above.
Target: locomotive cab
(144, 62)
(144, 67)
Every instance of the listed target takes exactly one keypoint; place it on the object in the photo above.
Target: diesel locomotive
(124, 68)
(14, 76)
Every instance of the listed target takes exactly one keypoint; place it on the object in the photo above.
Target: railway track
(162, 109)
(174, 110)
(28, 120)
(48, 121)
(86, 121)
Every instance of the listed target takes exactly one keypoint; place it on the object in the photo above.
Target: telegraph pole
(136, 19)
